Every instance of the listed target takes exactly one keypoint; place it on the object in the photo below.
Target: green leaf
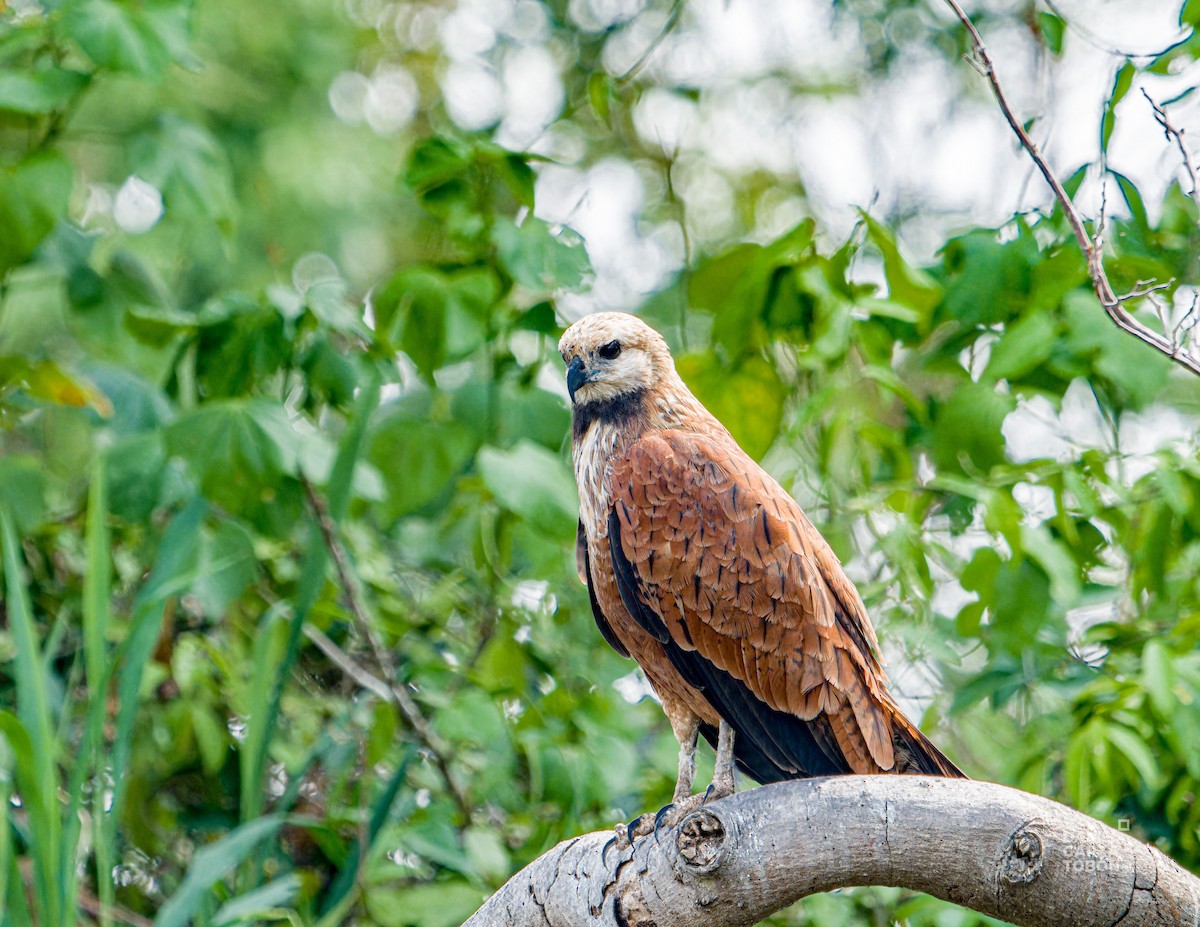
(119, 37)
(442, 904)
(255, 906)
(434, 161)
(1135, 750)
(189, 166)
(212, 738)
(1138, 371)
(987, 280)
(250, 437)
(907, 285)
(33, 196)
(967, 429)
(533, 483)
(35, 93)
(1133, 199)
(227, 566)
(437, 317)
(22, 491)
(539, 259)
(1158, 677)
(487, 853)
(210, 865)
(735, 286)
(600, 95)
(1024, 346)
(1121, 85)
(1055, 559)
(747, 397)
(419, 450)
(339, 890)
(1052, 29)
(33, 708)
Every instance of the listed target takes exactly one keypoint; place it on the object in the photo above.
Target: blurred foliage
(281, 416)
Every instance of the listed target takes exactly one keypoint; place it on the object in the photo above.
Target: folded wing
(752, 607)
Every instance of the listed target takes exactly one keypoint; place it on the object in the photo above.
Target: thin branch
(1112, 304)
(1019, 857)
(667, 29)
(1176, 134)
(1145, 288)
(389, 690)
(92, 905)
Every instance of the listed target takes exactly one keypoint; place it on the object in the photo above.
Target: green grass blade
(33, 710)
(312, 578)
(97, 592)
(344, 881)
(6, 843)
(173, 571)
(212, 863)
(252, 907)
(97, 579)
(341, 477)
(269, 648)
(16, 912)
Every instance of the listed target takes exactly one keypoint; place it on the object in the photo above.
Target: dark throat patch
(615, 411)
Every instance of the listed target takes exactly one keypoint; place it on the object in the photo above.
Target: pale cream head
(613, 354)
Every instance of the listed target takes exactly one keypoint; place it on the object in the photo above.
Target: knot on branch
(1024, 855)
(701, 841)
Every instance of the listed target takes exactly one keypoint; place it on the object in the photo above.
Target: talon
(708, 793)
(604, 850)
(662, 813)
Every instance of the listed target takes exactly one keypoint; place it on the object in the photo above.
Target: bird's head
(610, 355)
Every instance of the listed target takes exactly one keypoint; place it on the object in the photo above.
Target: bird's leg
(686, 727)
(687, 761)
(724, 781)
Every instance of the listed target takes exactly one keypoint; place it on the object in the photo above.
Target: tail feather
(915, 753)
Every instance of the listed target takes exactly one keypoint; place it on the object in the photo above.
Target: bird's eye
(610, 350)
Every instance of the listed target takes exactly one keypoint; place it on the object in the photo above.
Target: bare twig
(1176, 134)
(348, 665)
(1112, 304)
(387, 688)
(1145, 288)
(1189, 320)
(667, 29)
(95, 907)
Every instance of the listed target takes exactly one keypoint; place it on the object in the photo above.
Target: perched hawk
(708, 574)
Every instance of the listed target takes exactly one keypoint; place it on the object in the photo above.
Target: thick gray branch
(1028, 860)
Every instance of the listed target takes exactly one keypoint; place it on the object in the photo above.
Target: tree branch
(1095, 259)
(1009, 854)
(387, 688)
(1175, 134)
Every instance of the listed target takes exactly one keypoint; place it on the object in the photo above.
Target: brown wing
(716, 560)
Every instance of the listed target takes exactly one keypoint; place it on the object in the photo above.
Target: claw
(662, 813)
(708, 793)
(604, 851)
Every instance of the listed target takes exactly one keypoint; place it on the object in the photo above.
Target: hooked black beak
(575, 376)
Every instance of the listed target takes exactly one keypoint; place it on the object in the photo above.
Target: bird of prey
(706, 572)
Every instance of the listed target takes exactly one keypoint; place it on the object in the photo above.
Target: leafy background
(291, 624)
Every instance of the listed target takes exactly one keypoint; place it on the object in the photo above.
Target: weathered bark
(1028, 860)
